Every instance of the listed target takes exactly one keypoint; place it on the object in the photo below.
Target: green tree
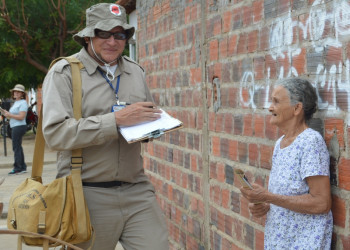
(33, 33)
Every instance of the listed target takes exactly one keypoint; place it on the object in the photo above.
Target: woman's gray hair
(301, 90)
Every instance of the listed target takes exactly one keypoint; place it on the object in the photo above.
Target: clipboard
(151, 130)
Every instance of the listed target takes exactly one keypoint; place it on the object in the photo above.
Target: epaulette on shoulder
(132, 61)
(58, 65)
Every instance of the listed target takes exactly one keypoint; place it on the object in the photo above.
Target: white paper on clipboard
(152, 129)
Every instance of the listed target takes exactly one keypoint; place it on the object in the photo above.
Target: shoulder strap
(76, 160)
(38, 157)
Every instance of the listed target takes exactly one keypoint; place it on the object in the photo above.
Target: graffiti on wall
(332, 82)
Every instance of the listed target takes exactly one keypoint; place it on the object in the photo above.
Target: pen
(127, 103)
(124, 103)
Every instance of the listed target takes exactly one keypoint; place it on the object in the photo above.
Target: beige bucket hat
(104, 16)
(18, 87)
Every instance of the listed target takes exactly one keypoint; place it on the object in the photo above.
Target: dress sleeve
(315, 156)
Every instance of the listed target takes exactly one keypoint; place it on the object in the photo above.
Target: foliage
(33, 33)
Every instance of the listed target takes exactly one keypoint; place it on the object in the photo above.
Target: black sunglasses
(105, 35)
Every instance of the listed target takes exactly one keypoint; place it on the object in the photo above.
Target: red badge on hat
(115, 9)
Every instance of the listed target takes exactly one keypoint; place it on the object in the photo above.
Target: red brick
(270, 67)
(247, 125)
(220, 118)
(259, 68)
(266, 156)
(264, 38)
(339, 211)
(228, 123)
(232, 45)
(213, 50)
(195, 76)
(345, 242)
(253, 154)
(258, 10)
(223, 48)
(299, 62)
(259, 240)
(188, 14)
(233, 150)
(253, 41)
(225, 198)
(212, 123)
(334, 125)
(244, 207)
(333, 56)
(283, 63)
(259, 126)
(344, 173)
(242, 152)
(227, 20)
(238, 230)
(271, 131)
(221, 221)
(242, 44)
(194, 165)
(247, 15)
(220, 172)
(283, 7)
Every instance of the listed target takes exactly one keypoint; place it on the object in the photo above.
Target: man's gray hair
(301, 90)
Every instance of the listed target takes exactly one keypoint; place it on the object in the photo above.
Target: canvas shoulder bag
(57, 209)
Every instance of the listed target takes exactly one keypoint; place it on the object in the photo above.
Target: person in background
(121, 200)
(298, 199)
(17, 116)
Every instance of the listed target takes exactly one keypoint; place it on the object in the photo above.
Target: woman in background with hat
(17, 117)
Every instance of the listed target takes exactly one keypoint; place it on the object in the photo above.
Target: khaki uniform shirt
(106, 154)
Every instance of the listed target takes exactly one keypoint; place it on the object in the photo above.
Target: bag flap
(33, 199)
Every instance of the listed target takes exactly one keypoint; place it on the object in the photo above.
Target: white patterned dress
(285, 229)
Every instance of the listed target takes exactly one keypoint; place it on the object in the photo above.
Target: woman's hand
(259, 210)
(255, 195)
(7, 114)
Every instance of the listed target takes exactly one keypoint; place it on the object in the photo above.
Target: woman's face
(17, 94)
(281, 109)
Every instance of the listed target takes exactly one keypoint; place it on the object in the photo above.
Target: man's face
(107, 49)
(281, 109)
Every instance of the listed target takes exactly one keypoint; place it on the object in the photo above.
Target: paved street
(9, 242)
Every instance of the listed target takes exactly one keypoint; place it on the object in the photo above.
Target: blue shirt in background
(17, 107)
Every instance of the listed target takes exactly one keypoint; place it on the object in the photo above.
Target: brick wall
(212, 64)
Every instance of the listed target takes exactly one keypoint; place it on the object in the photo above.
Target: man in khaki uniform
(120, 198)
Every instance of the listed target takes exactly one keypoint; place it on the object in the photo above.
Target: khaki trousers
(129, 214)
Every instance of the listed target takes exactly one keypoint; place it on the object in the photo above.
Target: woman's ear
(298, 108)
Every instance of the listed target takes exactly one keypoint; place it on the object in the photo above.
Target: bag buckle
(76, 162)
(13, 223)
(41, 228)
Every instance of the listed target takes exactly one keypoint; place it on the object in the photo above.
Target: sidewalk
(9, 242)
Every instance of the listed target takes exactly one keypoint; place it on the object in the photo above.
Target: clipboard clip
(155, 134)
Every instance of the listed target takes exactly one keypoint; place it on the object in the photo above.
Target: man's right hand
(137, 113)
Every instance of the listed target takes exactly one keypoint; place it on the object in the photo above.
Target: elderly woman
(17, 116)
(298, 199)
